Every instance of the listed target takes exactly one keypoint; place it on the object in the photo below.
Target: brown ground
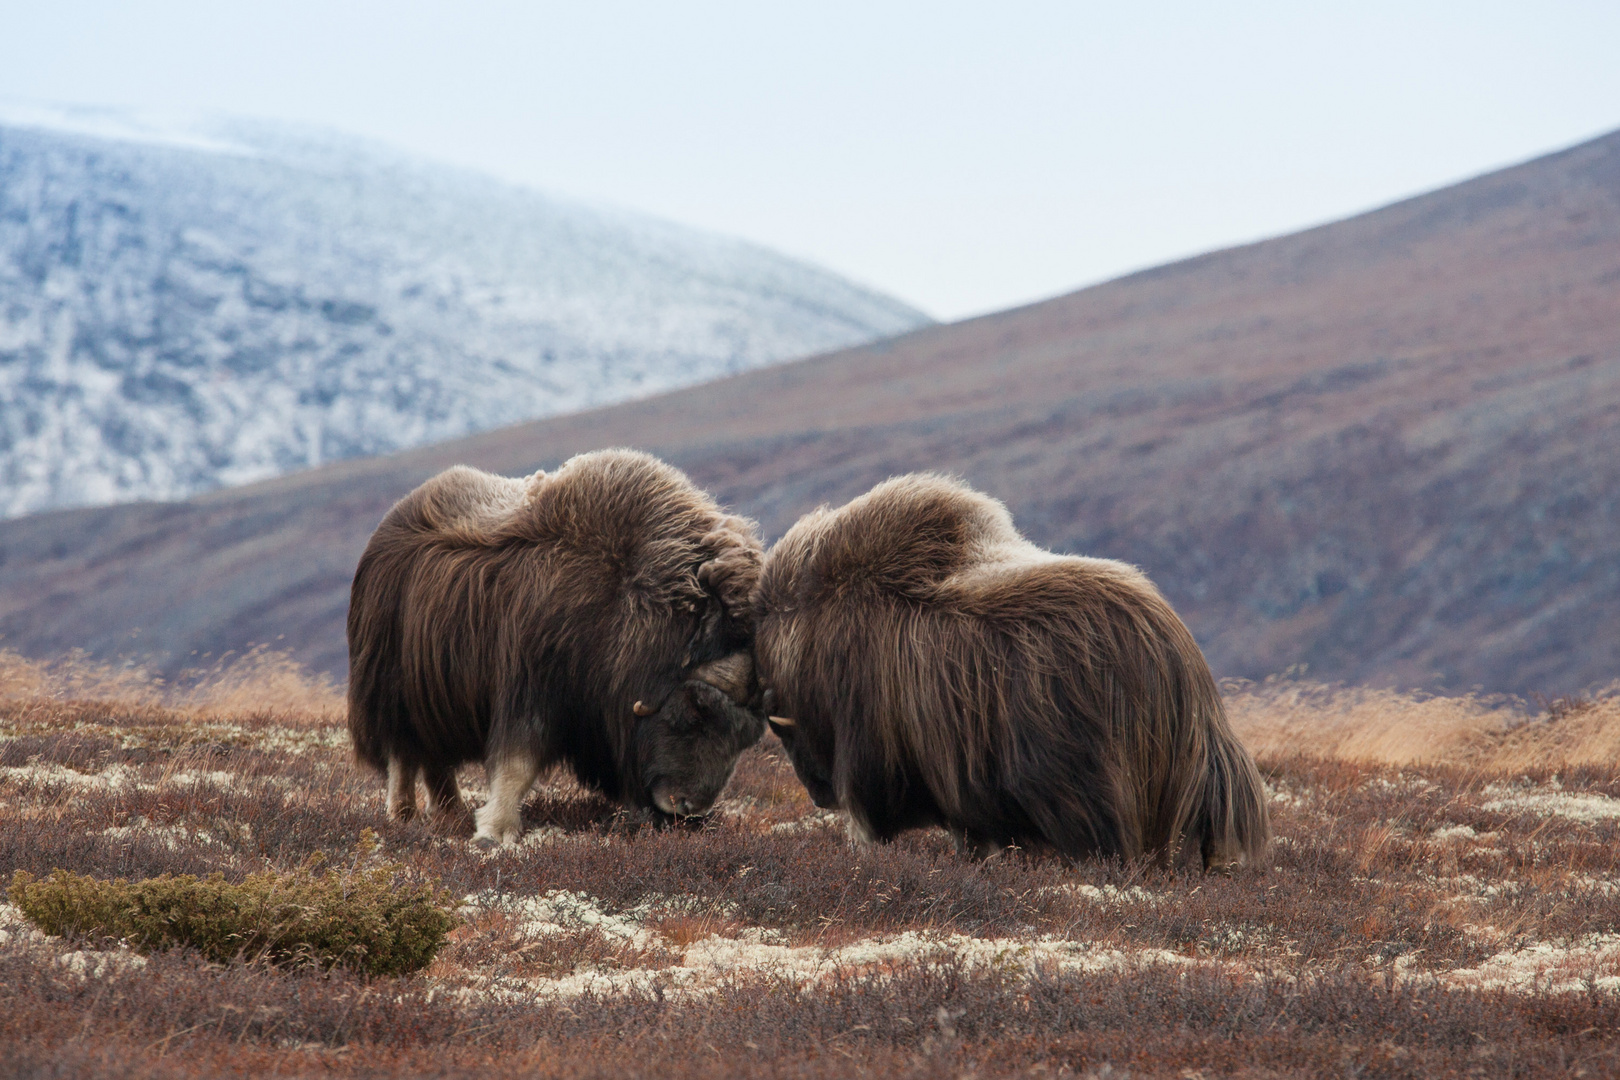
(1388, 448)
(1443, 899)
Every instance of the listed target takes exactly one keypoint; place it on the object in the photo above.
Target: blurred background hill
(189, 304)
(1385, 448)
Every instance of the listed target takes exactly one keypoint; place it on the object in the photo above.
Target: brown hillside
(1385, 448)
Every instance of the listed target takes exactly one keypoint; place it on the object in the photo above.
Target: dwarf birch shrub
(361, 918)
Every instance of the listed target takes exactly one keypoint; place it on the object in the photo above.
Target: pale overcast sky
(964, 157)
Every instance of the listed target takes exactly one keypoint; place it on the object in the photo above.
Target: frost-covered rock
(185, 308)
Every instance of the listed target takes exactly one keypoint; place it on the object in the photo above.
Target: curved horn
(783, 721)
(641, 708)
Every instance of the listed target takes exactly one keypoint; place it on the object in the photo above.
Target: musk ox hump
(467, 504)
(1022, 581)
(1023, 696)
(907, 535)
(636, 516)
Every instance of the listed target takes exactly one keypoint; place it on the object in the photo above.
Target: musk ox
(597, 616)
(931, 666)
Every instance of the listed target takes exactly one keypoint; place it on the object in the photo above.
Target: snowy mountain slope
(188, 307)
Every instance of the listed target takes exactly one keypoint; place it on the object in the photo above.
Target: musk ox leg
(499, 820)
(444, 798)
(1222, 858)
(971, 845)
(401, 790)
(859, 831)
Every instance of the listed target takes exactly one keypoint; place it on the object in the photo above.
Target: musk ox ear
(732, 571)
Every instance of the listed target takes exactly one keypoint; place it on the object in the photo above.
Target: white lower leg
(401, 790)
(499, 820)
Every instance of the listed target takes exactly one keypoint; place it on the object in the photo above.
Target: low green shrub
(361, 918)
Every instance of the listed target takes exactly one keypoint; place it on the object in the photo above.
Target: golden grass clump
(261, 682)
(1283, 717)
(359, 918)
(75, 677)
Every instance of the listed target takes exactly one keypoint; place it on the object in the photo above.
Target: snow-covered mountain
(185, 306)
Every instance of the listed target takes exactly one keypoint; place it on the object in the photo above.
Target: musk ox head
(809, 747)
(687, 744)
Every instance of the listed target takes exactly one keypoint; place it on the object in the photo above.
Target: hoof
(504, 838)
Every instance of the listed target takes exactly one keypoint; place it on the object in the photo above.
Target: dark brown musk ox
(930, 666)
(597, 616)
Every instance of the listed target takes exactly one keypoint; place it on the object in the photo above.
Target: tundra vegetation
(357, 915)
(1442, 899)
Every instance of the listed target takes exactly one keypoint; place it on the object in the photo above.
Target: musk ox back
(931, 666)
(597, 616)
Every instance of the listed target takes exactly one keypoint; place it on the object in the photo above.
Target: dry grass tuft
(260, 683)
(1392, 727)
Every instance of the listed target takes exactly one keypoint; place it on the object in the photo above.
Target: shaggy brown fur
(934, 667)
(553, 619)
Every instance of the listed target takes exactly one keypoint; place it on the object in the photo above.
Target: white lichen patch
(1551, 800)
(544, 836)
(174, 837)
(86, 964)
(716, 958)
(116, 777)
(15, 927)
(81, 964)
(815, 821)
(1400, 784)
(1105, 894)
(1470, 887)
(298, 740)
(189, 778)
(1591, 963)
(1586, 882)
(1282, 793)
(270, 739)
(182, 734)
(560, 912)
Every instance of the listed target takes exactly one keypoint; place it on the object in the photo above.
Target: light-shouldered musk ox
(597, 616)
(931, 666)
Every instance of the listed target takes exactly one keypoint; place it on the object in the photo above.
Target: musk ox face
(813, 770)
(808, 748)
(687, 747)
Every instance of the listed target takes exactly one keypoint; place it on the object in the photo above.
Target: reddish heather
(1442, 899)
